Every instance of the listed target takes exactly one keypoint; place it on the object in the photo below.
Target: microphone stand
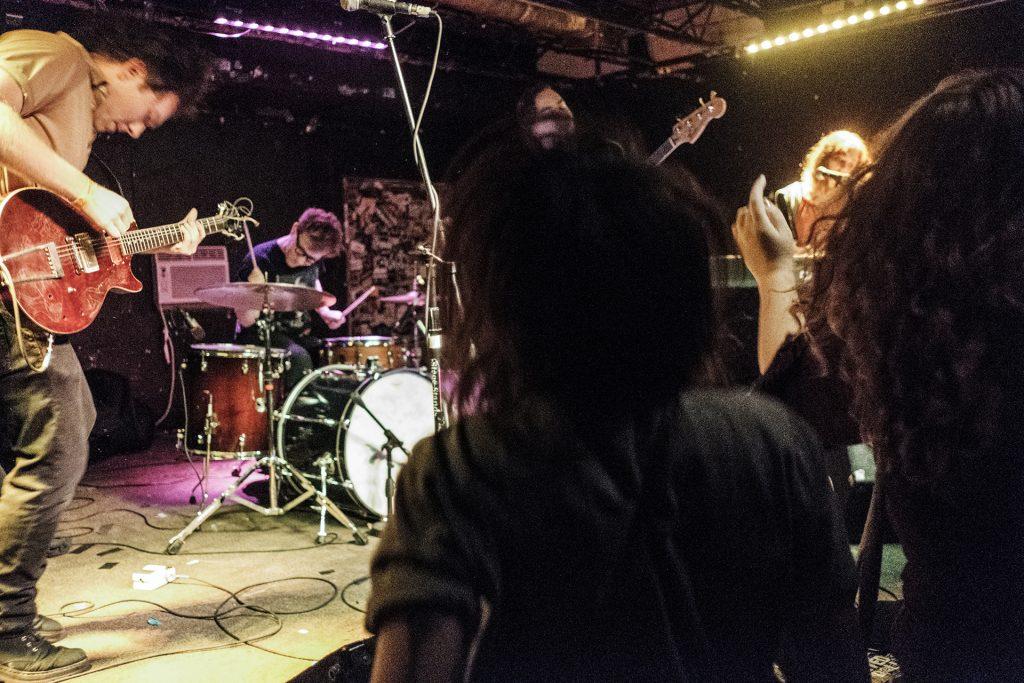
(433, 312)
(391, 442)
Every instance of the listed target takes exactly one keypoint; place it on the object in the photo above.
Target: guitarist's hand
(763, 236)
(108, 210)
(192, 236)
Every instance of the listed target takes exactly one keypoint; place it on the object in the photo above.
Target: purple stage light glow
(308, 35)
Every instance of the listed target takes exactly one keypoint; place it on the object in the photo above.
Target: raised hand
(763, 235)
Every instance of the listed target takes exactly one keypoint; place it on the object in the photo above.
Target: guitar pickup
(84, 252)
(40, 262)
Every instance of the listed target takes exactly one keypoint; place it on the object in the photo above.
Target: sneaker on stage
(28, 658)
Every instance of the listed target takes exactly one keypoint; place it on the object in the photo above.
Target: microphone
(197, 331)
(388, 7)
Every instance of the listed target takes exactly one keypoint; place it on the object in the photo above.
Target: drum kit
(349, 424)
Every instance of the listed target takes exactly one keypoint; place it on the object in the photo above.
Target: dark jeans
(46, 418)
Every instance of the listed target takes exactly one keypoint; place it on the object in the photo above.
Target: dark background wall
(264, 142)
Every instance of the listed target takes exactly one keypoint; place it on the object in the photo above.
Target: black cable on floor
(351, 584)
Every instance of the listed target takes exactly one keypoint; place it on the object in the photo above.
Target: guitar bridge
(84, 252)
(31, 268)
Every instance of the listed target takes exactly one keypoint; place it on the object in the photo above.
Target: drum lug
(261, 405)
(245, 367)
(202, 364)
(241, 442)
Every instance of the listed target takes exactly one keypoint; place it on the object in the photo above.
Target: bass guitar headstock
(691, 126)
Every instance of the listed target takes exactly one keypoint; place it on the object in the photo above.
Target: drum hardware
(274, 297)
(390, 444)
(323, 462)
(342, 422)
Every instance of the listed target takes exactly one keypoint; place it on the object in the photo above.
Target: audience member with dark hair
(294, 258)
(56, 94)
(597, 518)
(922, 283)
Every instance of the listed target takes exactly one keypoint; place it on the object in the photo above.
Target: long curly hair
(585, 281)
(923, 282)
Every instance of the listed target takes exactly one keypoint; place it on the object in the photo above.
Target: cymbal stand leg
(174, 545)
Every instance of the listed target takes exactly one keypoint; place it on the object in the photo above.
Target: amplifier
(178, 277)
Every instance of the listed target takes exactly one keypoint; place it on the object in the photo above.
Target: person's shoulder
(32, 41)
(728, 416)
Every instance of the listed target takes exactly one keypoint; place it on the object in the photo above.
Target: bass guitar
(61, 267)
(689, 128)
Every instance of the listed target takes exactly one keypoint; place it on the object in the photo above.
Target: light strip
(834, 25)
(295, 33)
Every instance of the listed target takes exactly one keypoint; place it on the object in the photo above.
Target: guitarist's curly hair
(174, 61)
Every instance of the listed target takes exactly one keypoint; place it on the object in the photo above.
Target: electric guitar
(61, 267)
(689, 128)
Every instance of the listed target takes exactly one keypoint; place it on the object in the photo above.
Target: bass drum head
(402, 401)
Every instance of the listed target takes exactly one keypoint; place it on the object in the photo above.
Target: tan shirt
(61, 87)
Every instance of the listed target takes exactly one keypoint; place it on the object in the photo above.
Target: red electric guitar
(689, 128)
(62, 267)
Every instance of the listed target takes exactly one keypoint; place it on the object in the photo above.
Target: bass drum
(320, 424)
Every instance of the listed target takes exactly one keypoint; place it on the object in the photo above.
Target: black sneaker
(48, 628)
(27, 658)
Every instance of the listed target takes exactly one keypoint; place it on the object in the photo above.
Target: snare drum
(363, 352)
(223, 387)
(320, 423)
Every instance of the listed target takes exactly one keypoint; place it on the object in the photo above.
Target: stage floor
(127, 508)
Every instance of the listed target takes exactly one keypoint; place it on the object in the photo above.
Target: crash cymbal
(410, 298)
(253, 295)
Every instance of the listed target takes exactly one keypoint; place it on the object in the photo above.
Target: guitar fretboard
(141, 241)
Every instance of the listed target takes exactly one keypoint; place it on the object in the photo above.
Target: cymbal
(252, 296)
(410, 298)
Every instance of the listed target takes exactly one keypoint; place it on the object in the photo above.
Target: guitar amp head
(178, 276)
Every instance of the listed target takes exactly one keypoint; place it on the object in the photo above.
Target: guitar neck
(659, 155)
(149, 239)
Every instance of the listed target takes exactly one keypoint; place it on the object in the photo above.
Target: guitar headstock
(691, 126)
(234, 215)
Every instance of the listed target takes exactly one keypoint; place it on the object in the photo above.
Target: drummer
(295, 258)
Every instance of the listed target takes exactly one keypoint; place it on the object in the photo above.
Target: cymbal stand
(276, 465)
(390, 444)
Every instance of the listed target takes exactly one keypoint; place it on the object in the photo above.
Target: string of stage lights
(296, 33)
(833, 25)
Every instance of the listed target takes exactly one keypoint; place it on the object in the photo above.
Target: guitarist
(56, 94)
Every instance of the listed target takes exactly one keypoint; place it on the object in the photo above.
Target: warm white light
(919, 2)
(902, 5)
(766, 44)
(839, 23)
(808, 32)
(823, 28)
(752, 48)
(781, 40)
(869, 15)
(884, 9)
(794, 36)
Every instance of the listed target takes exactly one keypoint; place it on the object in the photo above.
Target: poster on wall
(385, 220)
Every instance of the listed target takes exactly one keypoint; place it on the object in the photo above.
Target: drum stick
(359, 299)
